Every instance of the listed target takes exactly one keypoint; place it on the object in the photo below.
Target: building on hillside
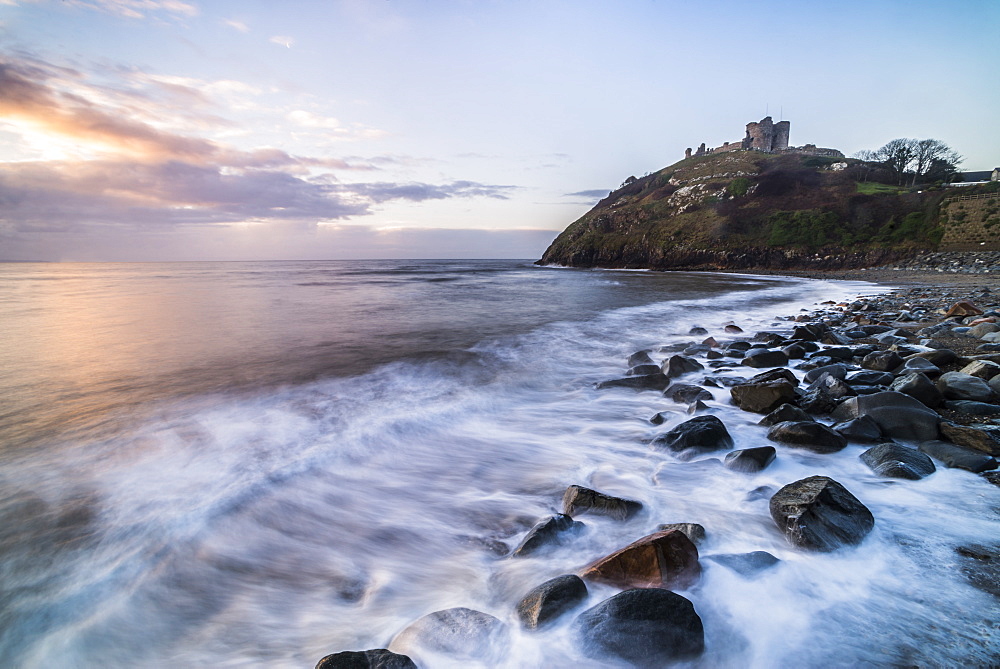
(974, 178)
(767, 136)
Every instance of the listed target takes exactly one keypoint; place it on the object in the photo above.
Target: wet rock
(810, 332)
(779, 374)
(922, 365)
(693, 531)
(695, 436)
(662, 416)
(727, 381)
(899, 416)
(863, 429)
(552, 530)
(733, 329)
(760, 492)
(641, 358)
(697, 331)
(980, 329)
(661, 560)
(839, 352)
(738, 346)
(643, 382)
(939, 357)
(981, 566)
(809, 435)
(745, 564)
(837, 370)
(817, 513)
(983, 369)
(643, 627)
(958, 457)
(832, 386)
(896, 461)
(379, 658)
(750, 459)
(763, 397)
(869, 377)
(550, 600)
(697, 407)
(882, 361)
(973, 408)
(794, 351)
(963, 308)
(986, 440)
(768, 339)
(918, 386)
(459, 634)
(678, 365)
(763, 357)
(643, 370)
(578, 500)
(959, 386)
(786, 412)
(685, 393)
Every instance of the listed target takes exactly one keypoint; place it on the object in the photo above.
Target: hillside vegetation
(746, 209)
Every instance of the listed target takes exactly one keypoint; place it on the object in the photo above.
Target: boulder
(578, 500)
(786, 412)
(863, 429)
(642, 627)
(918, 386)
(686, 393)
(817, 513)
(661, 560)
(938, 357)
(738, 346)
(550, 531)
(832, 386)
(768, 339)
(745, 564)
(958, 457)
(899, 416)
(963, 308)
(838, 370)
(693, 531)
(870, 377)
(809, 332)
(973, 408)
(379, 658)
(980, 329)
(643, 370)
(697, 407)
(656, 381)
(882, 361)
(550, 600)
(981, 439)
(779, 374)
(983, 369)
(750, 460)
(838, 352)
(794, 351)
(897, 461)
(733, 329)
(678, 365)
(641, 358)
(763, 357)
(922, 365)
(697, 435)
(807, 434)
(959, 386)
(763, 397)
(460, 634)
(697, 330)
(660, 417)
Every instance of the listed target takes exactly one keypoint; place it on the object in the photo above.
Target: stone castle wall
(768, 136)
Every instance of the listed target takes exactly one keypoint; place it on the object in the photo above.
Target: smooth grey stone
(870, 377)
(552, 530)
(750, 460)
(547, 602)
(959, 386)
(918, 386)
(863, 429)
(818, 513)
(958, 457)
(836, 370)
(695, 436)
(973, 408)
(809, 435)
(899, 416)
(898, 461)
(786, 412)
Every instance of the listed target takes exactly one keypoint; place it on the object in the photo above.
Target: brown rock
(763, 397)
(661, 560)
(578, 500)
(987, 441)
(964, 308)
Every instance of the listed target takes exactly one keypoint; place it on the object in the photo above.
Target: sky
(138, 130)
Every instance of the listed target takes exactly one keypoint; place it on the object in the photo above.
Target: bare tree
(897, 156)
(932, 152)
(923, 159)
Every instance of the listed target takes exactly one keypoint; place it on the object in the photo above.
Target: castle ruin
(767, 136)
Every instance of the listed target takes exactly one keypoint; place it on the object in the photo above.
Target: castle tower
(760, 135)
(781, 129)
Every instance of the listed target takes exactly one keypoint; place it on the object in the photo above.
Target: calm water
(256, 464)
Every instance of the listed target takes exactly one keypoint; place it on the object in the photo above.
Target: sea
(256, 464)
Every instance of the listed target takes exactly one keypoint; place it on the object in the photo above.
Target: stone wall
(971, 223)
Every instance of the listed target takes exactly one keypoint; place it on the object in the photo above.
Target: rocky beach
(905, 379)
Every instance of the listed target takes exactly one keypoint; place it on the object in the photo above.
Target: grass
(872, 188)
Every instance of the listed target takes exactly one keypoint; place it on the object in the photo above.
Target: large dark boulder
(959, 386)
(817, 513)
(685, 393)
(550, 531)
(643, 627)
(697, 435)
(898, 461)
(863, 429)
(643, 370)
(762, 357)
(678, 365)
(379, 658)
(899, 416)
(661, 560)
(837, 370)
(640, 358)
(882, 361)
(550, 600)
(750, 460)
(578, 500)
(460, 634)
(958, 457)
(870, 377)
(784, 413)
(779, 374)
(763, 397)
(656, 381)
(916, 384)
(809, 435)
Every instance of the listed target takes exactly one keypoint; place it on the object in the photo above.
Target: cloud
(282, 40)
(137, 9)
(595, 194)
(236, 25)
(418, 192)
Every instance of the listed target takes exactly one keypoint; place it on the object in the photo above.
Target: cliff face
(746, 210)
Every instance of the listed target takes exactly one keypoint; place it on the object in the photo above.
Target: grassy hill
(746, 209)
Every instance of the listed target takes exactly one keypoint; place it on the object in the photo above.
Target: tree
(897, 156)
(922, 159)
(933, 154)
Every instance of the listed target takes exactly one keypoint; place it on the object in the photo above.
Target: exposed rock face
(644, 627)
(897, 461)
(460, 634)
(817, 513)
(661, 560)
(550, 531)
(578, 500)
(698, 435)
(379, 658)
(550, 600)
